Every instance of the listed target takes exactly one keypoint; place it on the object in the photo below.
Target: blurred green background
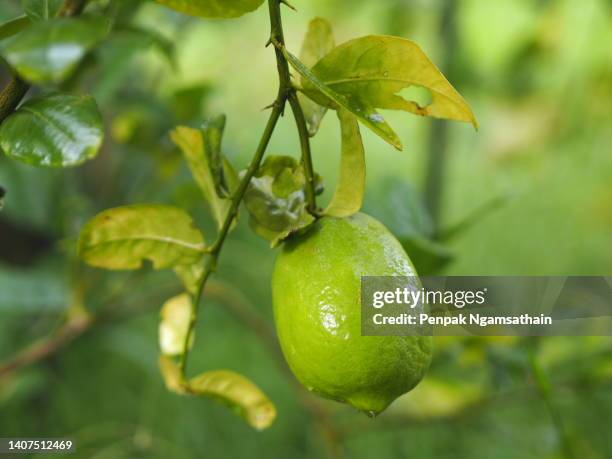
(531, 192)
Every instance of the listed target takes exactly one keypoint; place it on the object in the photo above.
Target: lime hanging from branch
(316, 291)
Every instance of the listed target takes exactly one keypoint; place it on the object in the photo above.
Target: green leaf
(371, 71)
(213, 8)
(212, 172)
(2, 195)
(14, 26)
(323, 94)
(58, 130)
(123, 237)
(174, 324)
(237, 392)
(318, 42)
(348, 197)
(48, 52)
(41, 10)
(276, 199)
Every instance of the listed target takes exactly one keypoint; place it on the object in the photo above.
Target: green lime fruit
(316, 291)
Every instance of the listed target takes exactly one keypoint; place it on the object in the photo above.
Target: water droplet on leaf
(376, 117)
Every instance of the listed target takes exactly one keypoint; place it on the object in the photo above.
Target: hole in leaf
(417, 94)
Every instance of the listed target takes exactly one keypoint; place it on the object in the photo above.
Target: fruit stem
(277, 38)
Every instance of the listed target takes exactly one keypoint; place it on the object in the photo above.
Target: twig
(278, 39)
(11, 95)
(286, 93)
(46, 347)
(211, 263)
(72, 329)
(300, 122)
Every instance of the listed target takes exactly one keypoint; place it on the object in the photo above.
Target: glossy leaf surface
(58, 130)
(48, 52)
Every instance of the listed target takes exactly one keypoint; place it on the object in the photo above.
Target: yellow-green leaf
(323, 94)
(213, 8)
(237, 392)
(172, 375)
(348, 196)
(174, 324)
(192, 144)
(123, 237)
(318, 42)
(190, 275)
(372, 70)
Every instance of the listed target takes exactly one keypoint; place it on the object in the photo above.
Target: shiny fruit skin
(316, 294)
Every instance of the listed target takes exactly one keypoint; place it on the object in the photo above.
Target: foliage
(539, 136)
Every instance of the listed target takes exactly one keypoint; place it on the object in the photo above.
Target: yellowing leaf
(237, 392)
(190, 276)
(318, 42)
(172, 375)
(348, 197)
(213, 8)
(174, 324)
(323, 94)
(192, 144)
(372, 70)
(123, 237)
